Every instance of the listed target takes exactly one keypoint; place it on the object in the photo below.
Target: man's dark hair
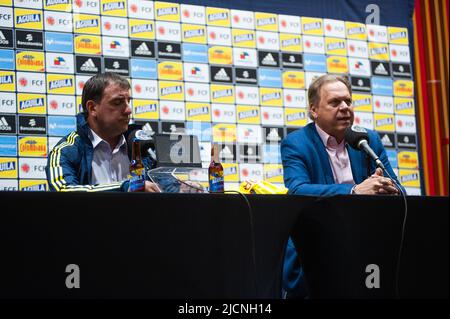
(94, 87)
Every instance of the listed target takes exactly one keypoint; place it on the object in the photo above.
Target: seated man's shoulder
(299, 134)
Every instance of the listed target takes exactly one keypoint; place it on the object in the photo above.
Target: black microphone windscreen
(354, 134)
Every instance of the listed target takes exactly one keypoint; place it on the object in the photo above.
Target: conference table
(177, 246)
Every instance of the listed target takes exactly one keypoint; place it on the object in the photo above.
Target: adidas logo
(143, 50)
(269, 60)
(225, 153)
(4, 126)
(380, 69)
(3, 39)
(222, 75)
(386, 140)
(273, 135)
(89, 66)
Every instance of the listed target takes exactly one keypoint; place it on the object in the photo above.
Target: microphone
(358, 138)
(146, 142)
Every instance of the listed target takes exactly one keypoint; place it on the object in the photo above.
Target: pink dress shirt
(338, 157)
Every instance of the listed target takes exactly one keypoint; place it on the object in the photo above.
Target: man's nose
(128, 109)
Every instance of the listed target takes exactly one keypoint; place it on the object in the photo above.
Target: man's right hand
(376, 184)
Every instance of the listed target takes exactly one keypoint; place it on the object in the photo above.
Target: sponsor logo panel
(252, 172)
(168, 31)
(145, 109)
(144, 29)
(295, 117)
(58, 21)
(34, 125)
(32, 146)
(173, 111)
(222, 94)
(408, 159)
(33, 185)
(59, 42)
(29, 40)
(88, 44)
(294, 98)
(383, 104)
(247, 95)
(356, 31)
(8, 145)
(271, 96)
(59, 63)
(272, 116)
(219, 17)
(30, 61)
(241, 19)
(60, 84)
(8, 124)
(113, 46)
(144, 89)
(192, 14)
(409, 178)
(170, 90)
(312, 26)
(289, 24)
(384, 122)
(193, 33)
(61, 125)
(28, 19)
(114, 26)
(61, 105)
(32, 167)
(223, 113)
(31, 103)
(8, 102)
(334, 28)
(198, 112)
(86, 23)
(88, 65)
(140, 9)
(143, 68)
(247, 114)
(364, 119)
(405, 124)
(196, 92)
(169, 70)
(6, 38)
(7, 81)
(195, 53)
(273, 173)
(8, 168)
(114, 8)
(121, 66)
(224, 133)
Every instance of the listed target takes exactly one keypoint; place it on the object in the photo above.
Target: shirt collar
(96, 140)
(328, 140)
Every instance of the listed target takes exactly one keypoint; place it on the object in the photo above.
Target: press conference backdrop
(234, 74)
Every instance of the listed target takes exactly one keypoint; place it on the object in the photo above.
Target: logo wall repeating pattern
(234, 77)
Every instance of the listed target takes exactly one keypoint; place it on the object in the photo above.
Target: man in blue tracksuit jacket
(95, 157)
(317, 161)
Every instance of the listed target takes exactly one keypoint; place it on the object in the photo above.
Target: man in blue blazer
(317, 161)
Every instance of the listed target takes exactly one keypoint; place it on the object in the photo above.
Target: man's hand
(151, 187)
(376, 184)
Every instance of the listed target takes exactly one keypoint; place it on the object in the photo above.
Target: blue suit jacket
(307, 169)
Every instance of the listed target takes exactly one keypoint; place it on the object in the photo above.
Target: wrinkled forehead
(335, 89)
(116, 90)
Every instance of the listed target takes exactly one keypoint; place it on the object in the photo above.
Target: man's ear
(313, 112)
(91, 108)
